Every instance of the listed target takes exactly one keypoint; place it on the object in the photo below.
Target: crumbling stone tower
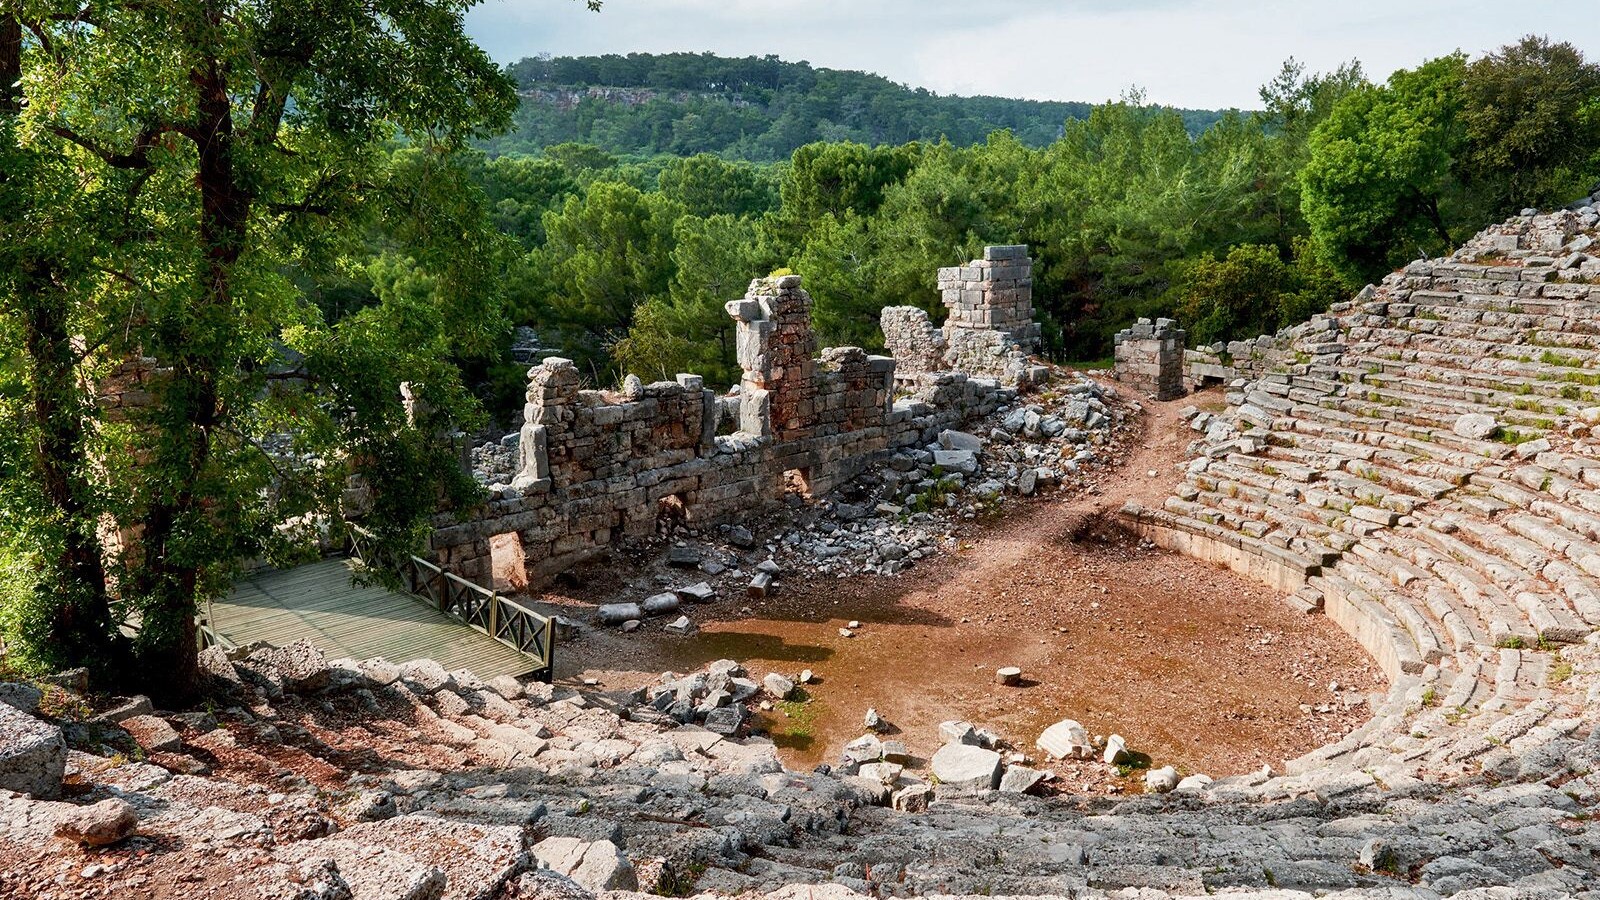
(777, 351)
(992, 294)
(1149, 357)
(989, 332)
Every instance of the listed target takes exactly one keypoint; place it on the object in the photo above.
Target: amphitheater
(1415, 464)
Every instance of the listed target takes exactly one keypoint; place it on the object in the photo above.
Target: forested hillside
(755, 108)
(1254, 223)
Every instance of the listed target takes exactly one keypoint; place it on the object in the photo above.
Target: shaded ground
(1194, 665)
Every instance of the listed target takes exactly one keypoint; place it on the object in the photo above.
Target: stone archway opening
(672, 512)
(508, 563)
(798, 483)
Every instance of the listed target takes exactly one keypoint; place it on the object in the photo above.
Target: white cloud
(1195, 53)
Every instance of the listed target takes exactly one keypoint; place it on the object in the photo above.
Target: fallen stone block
(426, 677)
(683, 557)
(1475, 426)
(33, 755)
(23, 697)
(1021, 779)
(660, 604)
(1160, 781)
(960, 440)
(697, 593)
(138, 705)
(597, 865)
(153, 734)
(965, 768)
(298, 667)
(1066, 739)
(98, 825)
(913, 798)
(778, 686)
(760, 585)
(617, 613)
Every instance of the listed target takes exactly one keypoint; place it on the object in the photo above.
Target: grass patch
(1560, 670)
(1092, 364)
(1512, 436)
(1552, 358)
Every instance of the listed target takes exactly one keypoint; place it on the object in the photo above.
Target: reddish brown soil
(1195, 666)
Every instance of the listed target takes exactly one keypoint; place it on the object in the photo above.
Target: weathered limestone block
(33, 754)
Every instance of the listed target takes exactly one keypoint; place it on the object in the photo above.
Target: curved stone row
(380, 782)
(1417, 465)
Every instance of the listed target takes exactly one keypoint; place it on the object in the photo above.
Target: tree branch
(137, 158)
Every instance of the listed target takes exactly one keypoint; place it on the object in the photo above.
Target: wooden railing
(501, 618)
(206, 633)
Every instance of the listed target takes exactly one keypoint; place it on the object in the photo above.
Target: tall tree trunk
(80, 627)
(199, 359)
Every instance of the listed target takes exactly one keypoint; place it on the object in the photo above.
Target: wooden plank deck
(320, 603)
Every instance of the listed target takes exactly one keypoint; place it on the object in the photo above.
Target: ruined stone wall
(1308, 343)
(776, 348)
(917, 345)
(1149, 358)
(595, 466)
(989, 331)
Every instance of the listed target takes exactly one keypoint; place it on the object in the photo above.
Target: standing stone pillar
(1149, 358)
(777, 351)
(547, 420)
(993, 294)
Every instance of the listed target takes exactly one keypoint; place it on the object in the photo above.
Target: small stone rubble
(377, 782)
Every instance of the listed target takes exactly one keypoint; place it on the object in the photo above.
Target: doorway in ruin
(672, 512)
(798, 483)
(508, 563)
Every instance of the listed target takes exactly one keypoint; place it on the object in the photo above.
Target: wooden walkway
(320, 603)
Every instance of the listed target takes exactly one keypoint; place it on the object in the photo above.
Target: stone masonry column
(993, 294)
(1149, 358)
(777, 351)
(552, 389)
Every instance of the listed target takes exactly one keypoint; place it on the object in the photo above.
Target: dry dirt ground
(1193, 665)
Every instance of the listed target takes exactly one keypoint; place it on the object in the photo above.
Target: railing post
(549, 675)
(494, 615)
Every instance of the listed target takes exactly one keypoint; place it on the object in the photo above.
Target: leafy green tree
(839, 268)
(607, 252)
(706, 186)
(523, 189)
(1532, 120)
(1380, 180)
(243, 144)
(714, 260)
(581, 161)
(936, 217)
(833, 180)
(1231, 297)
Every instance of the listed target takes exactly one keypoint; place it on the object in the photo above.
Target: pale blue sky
(1195, 53)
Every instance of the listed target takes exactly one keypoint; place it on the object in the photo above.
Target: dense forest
(226, 241)
(1256, 222)
(756, 108)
